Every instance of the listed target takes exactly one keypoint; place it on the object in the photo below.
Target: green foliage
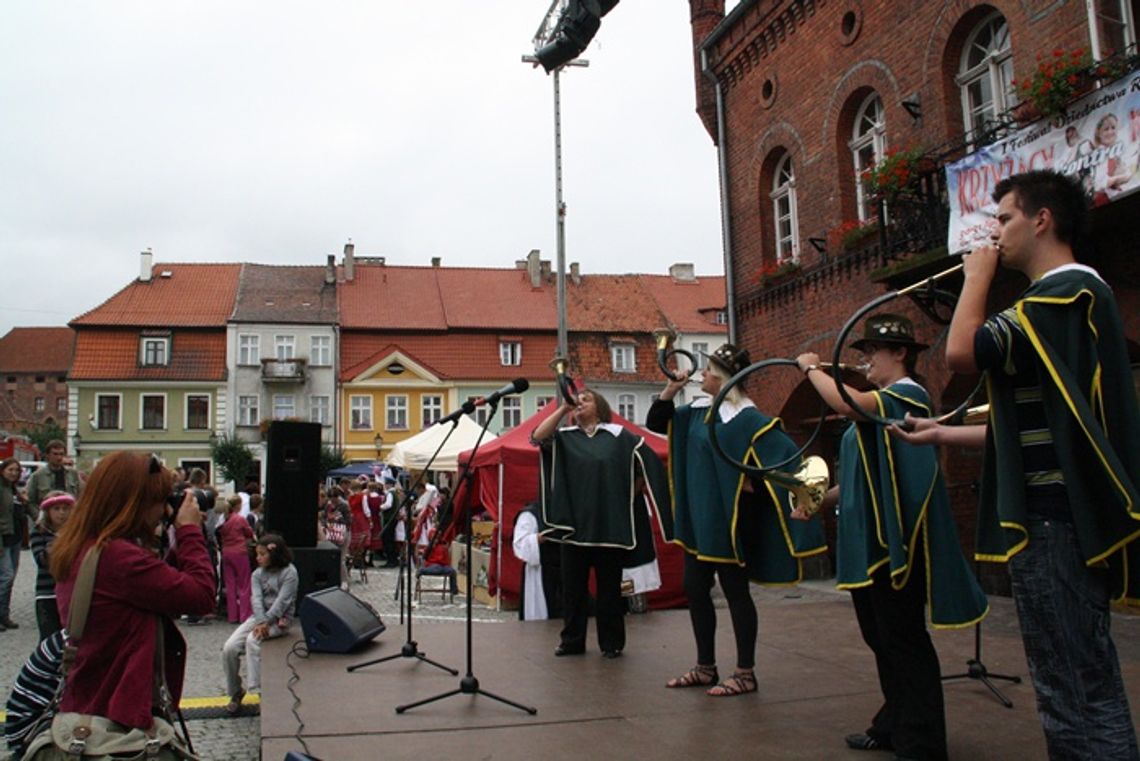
(233, 457)
(331, 459)
(42, 433)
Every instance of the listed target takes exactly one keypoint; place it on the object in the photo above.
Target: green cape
(892, 496)
(713, 516)
(1072, 322)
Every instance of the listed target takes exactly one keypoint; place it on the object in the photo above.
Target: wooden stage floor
(817, 684)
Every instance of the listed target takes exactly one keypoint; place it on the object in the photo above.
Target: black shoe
(611, 653)
(562, 650)
(9, 623)
(863, 741)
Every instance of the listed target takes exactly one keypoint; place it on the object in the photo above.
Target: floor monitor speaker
(333, 621)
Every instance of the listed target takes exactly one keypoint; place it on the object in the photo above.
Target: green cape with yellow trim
(714, 518)
(891, 497)
(1087, 388)
(596, 489)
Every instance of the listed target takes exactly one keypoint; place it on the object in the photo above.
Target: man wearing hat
(732, 528)
(898, 549)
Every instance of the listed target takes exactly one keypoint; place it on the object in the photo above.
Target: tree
(331, 459)
(42, 433)
(233, 457)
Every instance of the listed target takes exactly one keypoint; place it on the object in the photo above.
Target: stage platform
(817, 684)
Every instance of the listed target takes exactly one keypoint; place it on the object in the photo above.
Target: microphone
(464, 409)
(517, 386)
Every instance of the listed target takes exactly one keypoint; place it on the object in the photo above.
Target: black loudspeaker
(318, 568)
(334, 621)
(292, 481)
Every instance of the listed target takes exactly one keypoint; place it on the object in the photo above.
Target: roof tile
(192, 295)
(114, 355)
(283, 294)
(26, 350)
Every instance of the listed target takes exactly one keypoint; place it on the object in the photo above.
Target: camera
(205, 498)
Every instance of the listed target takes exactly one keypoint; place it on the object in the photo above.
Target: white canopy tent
(414, 453)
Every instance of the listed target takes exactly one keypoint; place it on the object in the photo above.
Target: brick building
(802, 96)
(34, 363)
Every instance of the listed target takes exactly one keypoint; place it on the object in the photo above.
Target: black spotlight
(576, 26)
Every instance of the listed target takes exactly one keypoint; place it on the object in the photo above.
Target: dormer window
(623, 358)
(510, 353)
(154, 351)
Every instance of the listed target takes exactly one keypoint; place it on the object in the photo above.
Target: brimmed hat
(730, 358)
(888, 329)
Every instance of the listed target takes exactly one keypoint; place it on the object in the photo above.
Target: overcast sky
(273, 132)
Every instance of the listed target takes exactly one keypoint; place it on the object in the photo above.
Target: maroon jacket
(113, 675)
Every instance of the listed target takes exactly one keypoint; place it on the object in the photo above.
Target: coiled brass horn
(926, 294)
(566, 385)
(809, 485)
(665, 337)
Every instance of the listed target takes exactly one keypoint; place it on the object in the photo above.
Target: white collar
(728, 410)
(611, 428)
(908, 379)
(1073, 266)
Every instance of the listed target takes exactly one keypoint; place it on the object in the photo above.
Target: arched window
(868, 145)
(784, 211)
(985, 74)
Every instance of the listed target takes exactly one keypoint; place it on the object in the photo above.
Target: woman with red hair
(136, 593)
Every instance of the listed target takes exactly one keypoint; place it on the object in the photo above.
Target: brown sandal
(697, 676)
(738, 684)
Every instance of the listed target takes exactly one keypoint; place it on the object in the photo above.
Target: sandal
(697, 676)
(738, 684)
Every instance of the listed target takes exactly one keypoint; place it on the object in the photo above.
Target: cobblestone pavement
(223, 739)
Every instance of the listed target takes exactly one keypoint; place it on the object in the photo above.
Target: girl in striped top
(54, 509)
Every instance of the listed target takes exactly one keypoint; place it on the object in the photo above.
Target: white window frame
(996, 67)
(783, 197)
(512, 411)
(249, 414)
(144, 344)
(395, 407)
(510, 353)
(142, 412)
(40, 404)
(284, 347)
(320, 351)
(98, 424)
(700, 352)
(627, 406)
(320, 409)
(869, 131)
(279, 406)
(249, 350)
(61, 404)
(431, 408)
(542, 401)
(721, 317)
(620, 354)
(186, 411)
(1096, 46)
(360, 412)
(481, 411)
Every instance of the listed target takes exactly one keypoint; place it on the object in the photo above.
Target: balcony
(284, 370)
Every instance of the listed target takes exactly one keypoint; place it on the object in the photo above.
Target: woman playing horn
(896, 539)
(726, 523)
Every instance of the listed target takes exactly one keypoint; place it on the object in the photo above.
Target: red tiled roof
(611, 303)
(285, 294)
(193, 295)
(496, 299)
(382, 297)
(114, 355)
(27, 350)
(689, 306)
(452, 356)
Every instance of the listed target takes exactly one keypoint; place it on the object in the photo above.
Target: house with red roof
(149, 370)
(34, 363)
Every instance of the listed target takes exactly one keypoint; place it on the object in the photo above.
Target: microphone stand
(410, 648)
(469, 684)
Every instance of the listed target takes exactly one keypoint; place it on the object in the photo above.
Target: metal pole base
(468, 685)
(409, 650)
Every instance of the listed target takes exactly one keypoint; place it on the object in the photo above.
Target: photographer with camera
(136, 593)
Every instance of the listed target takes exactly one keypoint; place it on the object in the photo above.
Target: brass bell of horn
(566, 384)
(812, 482)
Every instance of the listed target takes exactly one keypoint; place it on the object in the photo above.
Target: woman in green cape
(897, 540)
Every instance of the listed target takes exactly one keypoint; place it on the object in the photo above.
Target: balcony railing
(283, 370)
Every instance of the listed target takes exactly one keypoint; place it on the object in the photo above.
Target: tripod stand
(410, 648)
(976, 669)
(469, 684)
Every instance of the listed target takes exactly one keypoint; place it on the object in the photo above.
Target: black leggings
(699, 576)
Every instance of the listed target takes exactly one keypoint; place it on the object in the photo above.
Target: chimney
(534, 268)
(435, 261)
(146, 264)
(349, 261)
(575, 274)
(544, 269)
(330, 270)
(682, 272)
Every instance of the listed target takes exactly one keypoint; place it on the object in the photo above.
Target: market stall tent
(415, 452)
(505, 475)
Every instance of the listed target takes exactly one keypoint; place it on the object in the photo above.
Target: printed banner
(1097, 140)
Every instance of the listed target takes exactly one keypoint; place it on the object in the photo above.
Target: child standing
(235, 536)
(274, 595)
(54, 509)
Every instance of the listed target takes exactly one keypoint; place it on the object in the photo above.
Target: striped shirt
(41, 540)
(32, 692)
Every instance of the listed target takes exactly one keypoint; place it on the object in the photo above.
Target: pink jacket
(113, 675)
